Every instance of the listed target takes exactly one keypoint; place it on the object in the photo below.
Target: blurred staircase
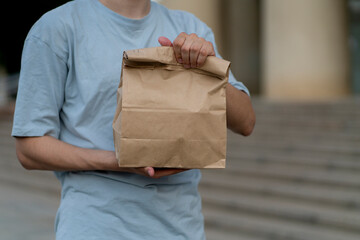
(28, 199)
(297, 177)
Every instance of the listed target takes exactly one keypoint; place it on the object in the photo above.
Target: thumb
(164, 41)
(150, 171)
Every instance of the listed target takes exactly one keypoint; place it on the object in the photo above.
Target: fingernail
(149, 172)
(179, 60)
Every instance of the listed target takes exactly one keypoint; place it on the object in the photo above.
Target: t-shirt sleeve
(209, 36)
(41, 91)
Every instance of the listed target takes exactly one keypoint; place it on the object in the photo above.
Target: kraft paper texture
(169, 116)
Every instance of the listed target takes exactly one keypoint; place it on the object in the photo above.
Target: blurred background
(296, 177)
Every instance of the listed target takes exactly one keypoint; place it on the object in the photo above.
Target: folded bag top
(169, 116)
(165, 55)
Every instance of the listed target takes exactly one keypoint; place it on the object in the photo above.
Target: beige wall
(206, 10)
(304, 49)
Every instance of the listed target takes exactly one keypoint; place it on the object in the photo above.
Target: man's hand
(154, 172)
(190, 50)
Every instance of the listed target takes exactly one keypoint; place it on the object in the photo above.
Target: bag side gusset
(116, 125)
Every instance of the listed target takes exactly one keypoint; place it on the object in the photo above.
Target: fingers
(188, 49)
(164, 41)
(191, 50)
(205, 51)
(195, 48)
(155, 172)
(178, 43)
(149, 171)
(162, 172)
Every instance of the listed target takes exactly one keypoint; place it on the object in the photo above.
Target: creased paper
(169, 116)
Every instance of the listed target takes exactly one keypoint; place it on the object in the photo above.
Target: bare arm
(48, 153)
(240, 115)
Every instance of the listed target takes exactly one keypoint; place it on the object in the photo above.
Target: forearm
(240, 115)
(48, 153)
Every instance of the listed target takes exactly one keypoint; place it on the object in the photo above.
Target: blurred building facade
(281, 49)
(286, 49)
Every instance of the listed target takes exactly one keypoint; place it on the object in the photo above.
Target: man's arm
(48, 153)
(240, 116)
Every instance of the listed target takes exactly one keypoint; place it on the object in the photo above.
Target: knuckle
(177, 43)
(194, 48)
(210, 45)
(203, 52)
(185, 49)
(179, 40)
(183, 34)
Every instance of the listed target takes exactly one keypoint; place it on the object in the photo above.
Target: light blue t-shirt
(70, 72)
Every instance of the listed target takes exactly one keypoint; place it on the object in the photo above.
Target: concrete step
(348, 106)
(7, 153)
(6, 122)
(241, 151)
(265, 159)
(273, 125)
(335, 160)
(225, 220)
(330, 124)
(26, 214)
(310, 112)
(7, 142)
(213, 234)
(40, 181)
(289, 144)
(292, 134)
(303, 115)
(345, 180)
(260, 163)
(296, 147)
(334, 121)
(273, 138)
(286, 190)
(292, 210)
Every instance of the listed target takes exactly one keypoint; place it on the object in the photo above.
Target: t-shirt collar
(135, 24)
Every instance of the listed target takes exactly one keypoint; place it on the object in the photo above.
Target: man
(66, 101)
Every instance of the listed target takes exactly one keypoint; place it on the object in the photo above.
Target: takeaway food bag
(168, 116)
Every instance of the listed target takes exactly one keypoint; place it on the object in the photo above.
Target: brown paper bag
(169, 116)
